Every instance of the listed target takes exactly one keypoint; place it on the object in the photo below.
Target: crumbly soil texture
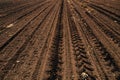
(59, 40)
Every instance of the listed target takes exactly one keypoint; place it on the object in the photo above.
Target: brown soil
(60, 40)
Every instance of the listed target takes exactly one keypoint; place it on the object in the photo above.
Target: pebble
(73, 77)
(10, 25)
(17, 61)
(10, 35)
(84, 75)
(115, 21)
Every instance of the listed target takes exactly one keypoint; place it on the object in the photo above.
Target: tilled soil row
(60, 40)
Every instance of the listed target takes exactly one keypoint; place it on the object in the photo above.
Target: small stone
(17, 61)
(10, 35)
(84, 75)
(115, 21)
(10, 25)
(73, 76)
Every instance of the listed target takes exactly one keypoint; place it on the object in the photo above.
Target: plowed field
(60, 40)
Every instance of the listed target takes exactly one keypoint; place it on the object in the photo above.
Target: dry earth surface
(59, 39)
